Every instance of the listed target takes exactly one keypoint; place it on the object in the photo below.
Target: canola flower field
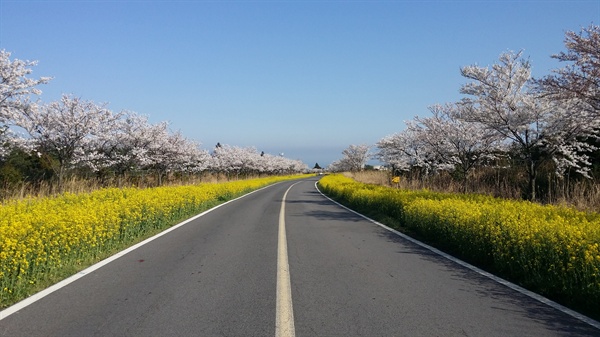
(45, 238)
(554, 251)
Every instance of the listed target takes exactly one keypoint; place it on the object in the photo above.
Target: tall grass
(581, 194)
(79, 185)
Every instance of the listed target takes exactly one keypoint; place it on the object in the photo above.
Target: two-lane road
(218, 276)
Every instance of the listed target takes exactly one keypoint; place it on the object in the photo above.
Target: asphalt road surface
(225, 274)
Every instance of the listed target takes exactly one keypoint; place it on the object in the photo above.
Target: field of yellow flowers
(40, 238)
(551, 250)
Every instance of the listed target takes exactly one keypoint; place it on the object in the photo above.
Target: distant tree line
(75, 137)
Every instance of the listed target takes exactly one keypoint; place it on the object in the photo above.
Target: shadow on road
(483, 286)
(323, 213)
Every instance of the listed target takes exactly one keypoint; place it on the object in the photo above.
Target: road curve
(217, 276)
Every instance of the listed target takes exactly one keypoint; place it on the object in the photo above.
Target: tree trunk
(61, 176)
(464, 184)
(532, 173)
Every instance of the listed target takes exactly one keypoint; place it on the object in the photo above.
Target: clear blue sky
(306, 78)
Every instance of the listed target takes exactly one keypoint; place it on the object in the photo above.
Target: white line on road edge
(284, 315)
(482, 272)
(37, 296)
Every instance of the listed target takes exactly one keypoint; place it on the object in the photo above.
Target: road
(218, 276)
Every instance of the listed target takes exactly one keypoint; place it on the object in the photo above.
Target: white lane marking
(37, 296)
(284, 314)
(482, 272)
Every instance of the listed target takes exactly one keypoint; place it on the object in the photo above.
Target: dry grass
(77, 185)
(583, 195)
(370, 177)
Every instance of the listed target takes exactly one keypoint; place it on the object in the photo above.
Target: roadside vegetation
(582, 194)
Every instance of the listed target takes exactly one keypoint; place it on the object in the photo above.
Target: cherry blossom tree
(579, 80)
(296, 166)
(452, 142)
(139, 142)
(577, 84)
(283, 165)
(503, 100)
(271, 164)
(7, 140)
(175, 153)
(354, 159)
(15, 87)
(15, 91)
(121, 148)
(134, 145)
(405, 151)
(236, 161)
(189, 157)
(232, 159)
(66, 129)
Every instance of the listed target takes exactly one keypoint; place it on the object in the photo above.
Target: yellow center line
(284, 317)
